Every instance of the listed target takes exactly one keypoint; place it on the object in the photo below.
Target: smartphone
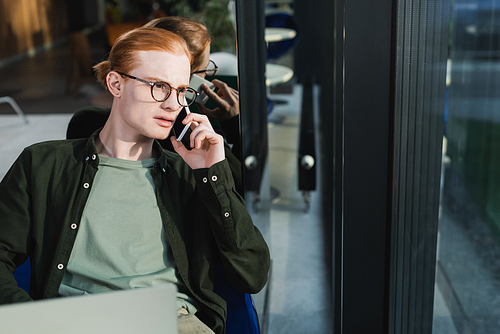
(182, 131)
(195, 82)
(178, 132)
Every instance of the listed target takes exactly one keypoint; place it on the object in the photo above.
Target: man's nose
(171, 102)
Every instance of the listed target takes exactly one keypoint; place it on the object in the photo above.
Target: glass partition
(468, 270)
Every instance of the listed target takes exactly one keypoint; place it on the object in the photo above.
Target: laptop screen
(144, 310)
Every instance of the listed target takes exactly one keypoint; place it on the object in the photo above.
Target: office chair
(242, 316)
(23, 274)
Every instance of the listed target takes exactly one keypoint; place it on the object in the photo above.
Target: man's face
(143, 117)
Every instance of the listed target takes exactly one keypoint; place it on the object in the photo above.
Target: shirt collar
(92, 157)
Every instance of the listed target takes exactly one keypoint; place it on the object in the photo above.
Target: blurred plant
(213, 13)
(113, 12)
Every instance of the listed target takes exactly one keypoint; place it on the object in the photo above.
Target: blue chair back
(241, 313)
(23, 275)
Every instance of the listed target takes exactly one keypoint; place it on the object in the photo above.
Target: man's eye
(161, 85)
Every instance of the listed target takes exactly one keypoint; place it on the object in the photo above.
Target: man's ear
(114, 82)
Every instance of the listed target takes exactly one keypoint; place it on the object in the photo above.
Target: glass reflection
(468, 273)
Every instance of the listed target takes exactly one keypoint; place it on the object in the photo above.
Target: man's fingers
(197, 119)
(219, 84)
(178, 146)
(202, 137)
(210, 93)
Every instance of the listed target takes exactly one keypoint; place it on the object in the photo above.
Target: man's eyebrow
(155, 79)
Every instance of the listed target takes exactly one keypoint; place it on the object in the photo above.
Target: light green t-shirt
(121, 241)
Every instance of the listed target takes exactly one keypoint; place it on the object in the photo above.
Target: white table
(279, 34)
(277, 74)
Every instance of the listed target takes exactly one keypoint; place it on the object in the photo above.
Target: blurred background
(369, 137)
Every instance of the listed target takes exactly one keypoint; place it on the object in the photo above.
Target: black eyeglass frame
(153, 84)
(206, 70)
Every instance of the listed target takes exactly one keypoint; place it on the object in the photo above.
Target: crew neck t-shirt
(121, 241)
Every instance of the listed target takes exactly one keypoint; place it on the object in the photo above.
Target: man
(116, 211)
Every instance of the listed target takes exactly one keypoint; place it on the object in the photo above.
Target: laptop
(143, 310)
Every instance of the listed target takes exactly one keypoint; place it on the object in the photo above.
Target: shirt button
(86, 185)
(163, 169)
(74, 226)
(60, 266)
(226, 214)
(205, 180)
(214, 178)
(87, 159)
(93, 156)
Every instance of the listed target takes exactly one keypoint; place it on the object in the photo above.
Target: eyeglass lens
(211, 68)
(162, 90)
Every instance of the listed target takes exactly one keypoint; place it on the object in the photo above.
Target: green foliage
(214, 14)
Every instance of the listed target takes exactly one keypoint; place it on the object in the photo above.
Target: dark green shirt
(43, 195)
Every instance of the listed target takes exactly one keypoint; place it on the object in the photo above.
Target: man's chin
(162, 135)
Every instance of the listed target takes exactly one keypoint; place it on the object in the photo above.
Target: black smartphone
(183, 129)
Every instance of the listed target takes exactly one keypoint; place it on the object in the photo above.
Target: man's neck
(111, 143)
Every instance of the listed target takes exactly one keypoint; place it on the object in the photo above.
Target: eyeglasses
(210, 70)
(161, 90)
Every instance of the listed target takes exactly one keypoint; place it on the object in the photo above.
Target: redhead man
(87, 120)
(116, 211)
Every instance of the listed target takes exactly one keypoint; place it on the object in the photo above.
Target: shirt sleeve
(14, 230)
(244, 253)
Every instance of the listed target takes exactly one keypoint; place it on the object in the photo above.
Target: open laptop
(144, 310)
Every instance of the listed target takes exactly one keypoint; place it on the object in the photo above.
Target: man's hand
(226, 98)
(207, 146)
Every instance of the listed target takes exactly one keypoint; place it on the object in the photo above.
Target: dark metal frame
(389, 89)
(421, 51)
(252, 83)
(306, 164)
(251, 51)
